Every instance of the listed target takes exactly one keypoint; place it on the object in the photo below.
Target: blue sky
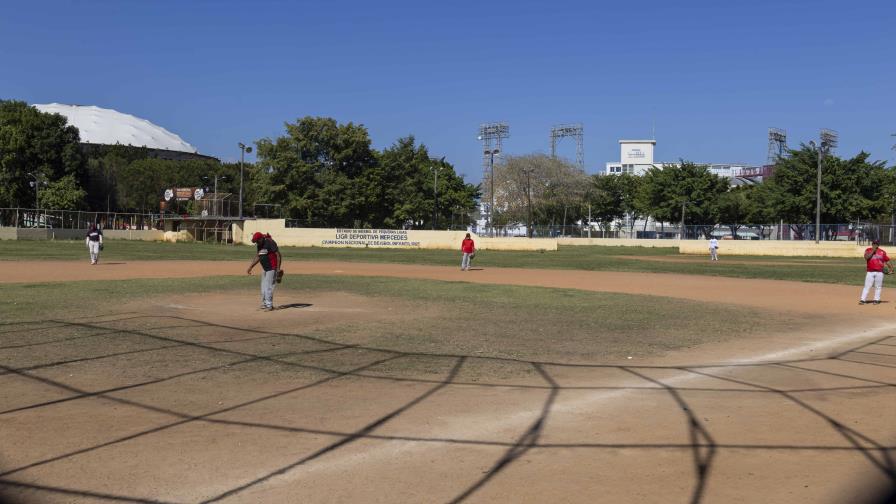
(711, 75)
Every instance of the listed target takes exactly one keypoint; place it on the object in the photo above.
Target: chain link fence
(74, 219)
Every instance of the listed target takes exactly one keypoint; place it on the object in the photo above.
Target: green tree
(63, 194)
(737, 207)
(683, 187)
(852, 189)
(400, 190)
(557, 190)
(613, 197)
(35, 142)
(314, 169)
(142, 183)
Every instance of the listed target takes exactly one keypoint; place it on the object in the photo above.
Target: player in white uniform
(713, 249)
(94, 241)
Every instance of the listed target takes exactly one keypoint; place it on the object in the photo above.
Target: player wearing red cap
(271, 261)
(876, 263)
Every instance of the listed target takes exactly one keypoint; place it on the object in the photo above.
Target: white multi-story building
(636, 157)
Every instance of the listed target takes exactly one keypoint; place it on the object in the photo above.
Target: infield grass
(425, 316)
(590, 258)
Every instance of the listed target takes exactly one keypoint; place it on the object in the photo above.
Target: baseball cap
(257, 236)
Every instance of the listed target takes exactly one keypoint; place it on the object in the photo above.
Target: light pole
(36, 185)
(827, 141)
(218, 206)
(681, 233)
(243, 150)
(820, 152)
(528, 172)
(435, 191)
(491, 169)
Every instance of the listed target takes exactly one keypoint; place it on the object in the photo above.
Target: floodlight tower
(570, 130)
(829, 140)
(777, 145)
(490, 133)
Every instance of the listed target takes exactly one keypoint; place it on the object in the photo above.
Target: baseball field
(590, 374)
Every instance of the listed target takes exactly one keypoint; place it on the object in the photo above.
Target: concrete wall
(617, 242)
(134, 234)
(8, 233)
(378, 238)
(774, 248)
(66, 234)
(33, 234)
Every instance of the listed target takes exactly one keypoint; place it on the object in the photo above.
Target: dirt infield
(768, 294)
(206, 401)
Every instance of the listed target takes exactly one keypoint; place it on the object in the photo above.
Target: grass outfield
(424, 316)
(591, 258)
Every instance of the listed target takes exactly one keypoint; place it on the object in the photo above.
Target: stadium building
(101, 128)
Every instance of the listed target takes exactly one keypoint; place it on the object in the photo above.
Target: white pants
(713, 254)
(465, 261)
(875, 278)
(268, 279)
(94, 248)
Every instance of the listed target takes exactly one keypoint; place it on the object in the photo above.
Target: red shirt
(877, 261)
(467, 247)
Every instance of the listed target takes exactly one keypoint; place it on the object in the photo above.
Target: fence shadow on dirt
(702, 445)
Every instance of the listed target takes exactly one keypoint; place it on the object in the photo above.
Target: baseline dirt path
(732, 260)
(769, 294)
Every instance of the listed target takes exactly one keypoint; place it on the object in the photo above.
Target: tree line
(323, 173)
(318, 172)
(555, 192)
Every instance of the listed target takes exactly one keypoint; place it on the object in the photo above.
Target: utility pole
(589, 220)
(435, 196)
(681, 234)
(36, 183)
(818, 197)
(491, 208)
(243, 150)
(529, 201)
(827, 141)
(435, 192)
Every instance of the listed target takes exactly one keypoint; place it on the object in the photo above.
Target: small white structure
(635, 157)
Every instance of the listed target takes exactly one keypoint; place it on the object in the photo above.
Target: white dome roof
(110, 127)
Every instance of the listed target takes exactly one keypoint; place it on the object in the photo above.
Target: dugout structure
(205, 216)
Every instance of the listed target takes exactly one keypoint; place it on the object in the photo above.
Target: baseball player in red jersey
(876, 262)
(271, 262)
(468, 248)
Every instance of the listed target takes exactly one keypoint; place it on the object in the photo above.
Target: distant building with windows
(636, 157)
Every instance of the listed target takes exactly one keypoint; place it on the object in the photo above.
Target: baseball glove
(279, 276)
(101, 247)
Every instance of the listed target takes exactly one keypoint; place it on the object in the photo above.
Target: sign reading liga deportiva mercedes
(371, 238)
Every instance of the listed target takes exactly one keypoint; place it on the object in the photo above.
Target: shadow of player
(294, 305)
